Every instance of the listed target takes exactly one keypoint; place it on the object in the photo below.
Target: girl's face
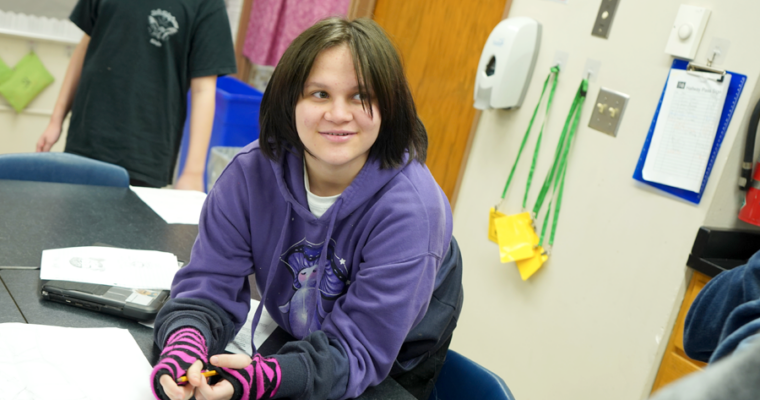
(330, 120)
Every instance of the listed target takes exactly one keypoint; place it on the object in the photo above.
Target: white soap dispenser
(507, 63)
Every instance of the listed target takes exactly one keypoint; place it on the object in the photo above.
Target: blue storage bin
(236, 120)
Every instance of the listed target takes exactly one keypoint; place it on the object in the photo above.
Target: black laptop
(137, 304)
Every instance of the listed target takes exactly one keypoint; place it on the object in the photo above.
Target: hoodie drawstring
(323, 257)
(272, 272)
(276, 260)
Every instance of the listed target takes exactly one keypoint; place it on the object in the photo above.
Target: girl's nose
(339, 112)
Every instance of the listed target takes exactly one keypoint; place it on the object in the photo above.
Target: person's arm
(65, 98)
(203, 103)
(729, 302)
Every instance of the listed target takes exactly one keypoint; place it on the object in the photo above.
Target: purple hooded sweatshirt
(351, 284)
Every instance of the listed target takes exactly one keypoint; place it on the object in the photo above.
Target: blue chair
(61, 168)
(462, 378)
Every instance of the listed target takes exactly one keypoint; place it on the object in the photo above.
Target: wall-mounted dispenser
(507, 63)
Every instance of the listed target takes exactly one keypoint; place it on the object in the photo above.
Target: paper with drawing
(137, 269)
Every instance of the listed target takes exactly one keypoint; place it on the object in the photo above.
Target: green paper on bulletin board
(5, 71)
(28, 79)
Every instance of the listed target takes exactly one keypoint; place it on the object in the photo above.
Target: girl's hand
(183, 354)
(233, 361)
(184, 392)
(223, 390)
(245, 378)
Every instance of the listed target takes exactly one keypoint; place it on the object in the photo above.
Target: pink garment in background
(275, 23)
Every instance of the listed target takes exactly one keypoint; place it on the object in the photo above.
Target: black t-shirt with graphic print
(131, 101)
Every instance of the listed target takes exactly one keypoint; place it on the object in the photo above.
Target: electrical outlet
(608, 111)
(604, 18)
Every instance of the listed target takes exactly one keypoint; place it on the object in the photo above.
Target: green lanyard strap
(556, 175)
(555, 72)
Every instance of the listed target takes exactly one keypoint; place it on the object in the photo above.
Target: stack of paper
(136, 269)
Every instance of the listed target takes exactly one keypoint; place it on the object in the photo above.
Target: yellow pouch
(492, 233)
(529, 266)
(516, 237)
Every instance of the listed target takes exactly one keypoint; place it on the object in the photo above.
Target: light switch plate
(687, 31)
(608, 111)
(604, 18)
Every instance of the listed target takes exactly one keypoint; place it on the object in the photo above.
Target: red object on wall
(750, 211)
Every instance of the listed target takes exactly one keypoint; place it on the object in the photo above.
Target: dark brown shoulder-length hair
(380, 74)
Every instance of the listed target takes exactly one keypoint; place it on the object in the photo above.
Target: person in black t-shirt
(127, 80)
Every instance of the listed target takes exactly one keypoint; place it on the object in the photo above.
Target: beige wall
(592, 324)
(19, 131)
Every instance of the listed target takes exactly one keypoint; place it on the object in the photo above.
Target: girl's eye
(320, 95)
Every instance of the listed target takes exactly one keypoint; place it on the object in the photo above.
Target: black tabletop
(8, 310)
(35, 216)
(23, 286)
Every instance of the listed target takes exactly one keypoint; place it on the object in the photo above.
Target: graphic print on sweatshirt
(161, 25)
(312, 300)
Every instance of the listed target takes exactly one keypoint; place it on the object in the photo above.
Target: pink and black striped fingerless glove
(258, 381)
(184, 346)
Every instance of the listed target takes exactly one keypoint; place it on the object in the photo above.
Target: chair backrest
(462, 378)
(61, 168)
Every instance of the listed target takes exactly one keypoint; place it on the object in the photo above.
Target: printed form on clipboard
(685, 129)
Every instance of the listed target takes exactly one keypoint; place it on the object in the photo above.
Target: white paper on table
(39, 362)
(242, 342)
(136, 269)
(174, 206)
(685, 129)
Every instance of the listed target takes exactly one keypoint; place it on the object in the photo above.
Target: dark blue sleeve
(213, 322)
(727, 303)
(313, 368)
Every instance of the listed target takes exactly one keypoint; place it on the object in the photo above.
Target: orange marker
(207, 374)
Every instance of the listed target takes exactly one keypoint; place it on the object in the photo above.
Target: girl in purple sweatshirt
(345, 230)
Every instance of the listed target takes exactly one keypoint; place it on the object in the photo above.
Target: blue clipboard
(732, 99)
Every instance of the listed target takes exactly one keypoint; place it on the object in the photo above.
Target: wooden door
(440, 42)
